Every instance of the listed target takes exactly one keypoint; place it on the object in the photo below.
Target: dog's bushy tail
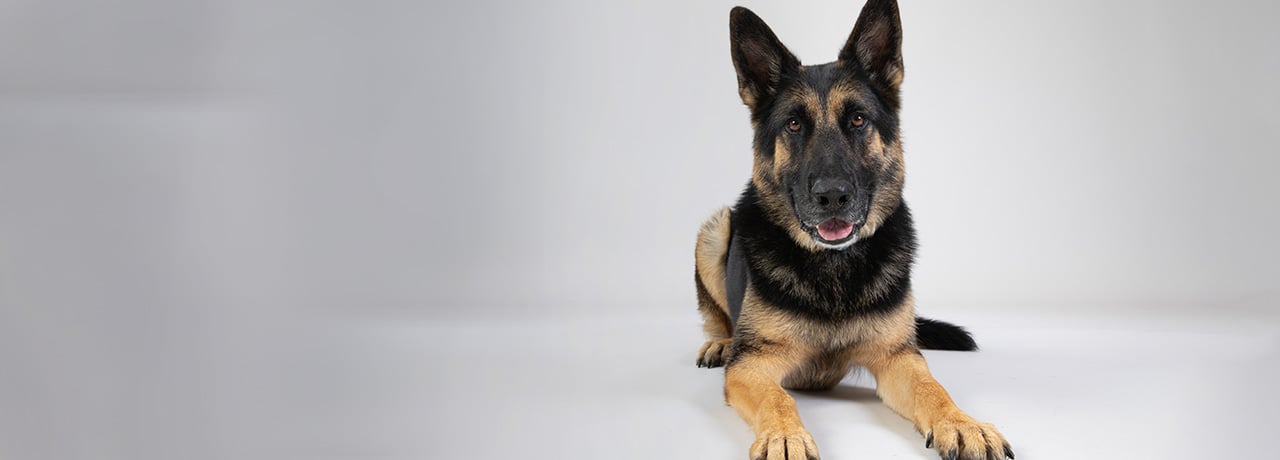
(938, 335)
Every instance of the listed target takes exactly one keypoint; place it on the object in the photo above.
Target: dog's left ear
(876, 44)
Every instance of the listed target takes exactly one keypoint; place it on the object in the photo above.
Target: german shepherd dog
(809, 274)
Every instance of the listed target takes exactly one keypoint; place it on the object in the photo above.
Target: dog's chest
(847, 334)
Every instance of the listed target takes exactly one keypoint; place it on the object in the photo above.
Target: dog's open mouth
(835, 230)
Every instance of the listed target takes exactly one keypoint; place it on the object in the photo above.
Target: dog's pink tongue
(834, 229)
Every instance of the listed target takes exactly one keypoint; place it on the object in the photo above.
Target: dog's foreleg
(752, 387)
(904, 383)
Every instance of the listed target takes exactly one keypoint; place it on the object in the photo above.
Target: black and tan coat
(802, 280)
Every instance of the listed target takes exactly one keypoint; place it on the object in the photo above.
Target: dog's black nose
(831, 194)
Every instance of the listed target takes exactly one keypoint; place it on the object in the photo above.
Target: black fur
(870, 277)
(761, 59)
(736, 276)
(938, 335)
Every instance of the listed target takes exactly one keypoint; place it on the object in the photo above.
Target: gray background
(211, 211)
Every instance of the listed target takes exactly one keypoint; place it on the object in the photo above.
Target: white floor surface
(624, 388)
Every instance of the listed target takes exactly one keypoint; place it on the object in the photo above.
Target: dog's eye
(858, 120)
(793, 125)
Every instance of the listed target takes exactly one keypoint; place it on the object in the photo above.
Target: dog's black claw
(928, 440)
(953, 455)
(1008, 451)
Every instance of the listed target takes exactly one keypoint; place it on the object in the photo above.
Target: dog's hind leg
(716, 326)
(710, 257)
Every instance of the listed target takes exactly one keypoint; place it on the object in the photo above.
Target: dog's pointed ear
(758, 56)
(876, 44)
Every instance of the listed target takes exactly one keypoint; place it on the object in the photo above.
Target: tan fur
(842, 94)
(795, 353)
(714, 352)
(710, 253)
(893, 329)
(752, 387)
(821, 354)
(905, 385)
(781, 157)
(774, 200)
(715, 321)
(888, 194)
(710, 256)
(776, 207)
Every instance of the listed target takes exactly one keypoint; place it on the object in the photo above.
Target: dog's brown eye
(858, 120)
(793, 125)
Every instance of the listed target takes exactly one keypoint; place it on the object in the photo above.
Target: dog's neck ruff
(869, 276)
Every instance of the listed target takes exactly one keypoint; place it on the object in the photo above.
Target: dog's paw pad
(960, 437)
(714, 353)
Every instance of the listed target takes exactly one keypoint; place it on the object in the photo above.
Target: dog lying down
(809, 274)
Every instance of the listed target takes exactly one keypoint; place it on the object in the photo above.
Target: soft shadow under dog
(861, 394)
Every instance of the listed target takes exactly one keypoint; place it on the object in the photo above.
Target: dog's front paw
(794, 444)
(960, 437)
(714, 353)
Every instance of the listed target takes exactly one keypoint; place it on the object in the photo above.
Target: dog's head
(828, 160)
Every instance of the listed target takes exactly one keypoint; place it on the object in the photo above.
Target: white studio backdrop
(480, 157)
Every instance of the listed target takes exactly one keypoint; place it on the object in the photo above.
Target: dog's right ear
(758, 56)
